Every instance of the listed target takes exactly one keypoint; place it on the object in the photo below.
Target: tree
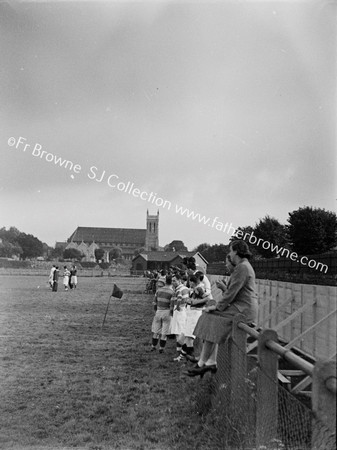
(11, 235)
(10, 246)
(57, 252)
(271, 230)
(21, 244)
(115, 253)
(213, 253)
(46, 249)
(99, 253)
(175, 246)
(202, 247)
(138, 251)
(312, 230)
(246, 231)
(8, 250)
(72, 253)
(31, 246)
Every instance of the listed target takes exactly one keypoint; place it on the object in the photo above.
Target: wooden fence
(303, 315)
(252, 408)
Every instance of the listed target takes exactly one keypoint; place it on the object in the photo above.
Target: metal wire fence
(234, 401)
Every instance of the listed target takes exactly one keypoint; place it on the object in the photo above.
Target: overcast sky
(225, 108)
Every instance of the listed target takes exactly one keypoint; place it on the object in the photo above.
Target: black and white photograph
(168, 227)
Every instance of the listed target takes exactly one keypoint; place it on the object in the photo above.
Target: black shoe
(212, 368)
(191, 358)
(195, 371)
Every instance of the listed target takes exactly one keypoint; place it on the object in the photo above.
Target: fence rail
(297, 361)
(251, 405)
(303, 315)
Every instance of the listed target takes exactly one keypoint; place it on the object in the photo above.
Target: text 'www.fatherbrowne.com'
(113, 181)
(251, 238)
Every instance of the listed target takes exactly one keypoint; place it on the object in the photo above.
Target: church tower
(152, 232)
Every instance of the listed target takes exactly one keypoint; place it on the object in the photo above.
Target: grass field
(67, 383)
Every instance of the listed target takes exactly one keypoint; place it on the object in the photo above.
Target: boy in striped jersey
(163, 305)
(178, 323)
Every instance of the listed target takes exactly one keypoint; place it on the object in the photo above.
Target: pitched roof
(183, 254)
(166, 256)
(109, 235)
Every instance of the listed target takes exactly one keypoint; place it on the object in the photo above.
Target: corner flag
(117, 292)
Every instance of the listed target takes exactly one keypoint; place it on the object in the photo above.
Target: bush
(88, 264)
(14, 264)
(104, 265)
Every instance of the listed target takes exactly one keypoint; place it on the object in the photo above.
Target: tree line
(25, 246)
(15, 242)
(308, 231)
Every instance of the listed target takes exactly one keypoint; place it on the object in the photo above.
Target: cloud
(218, 107)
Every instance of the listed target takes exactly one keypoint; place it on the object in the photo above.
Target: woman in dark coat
(240, 297)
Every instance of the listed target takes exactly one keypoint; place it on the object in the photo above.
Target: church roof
(109, 235)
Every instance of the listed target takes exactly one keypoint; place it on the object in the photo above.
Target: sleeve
(184, 295)
(238, 280)
(199, 292)
(207, 285)
(172, 302)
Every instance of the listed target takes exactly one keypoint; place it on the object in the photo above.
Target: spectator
(161, 281)
(163, 306)
(215, 323)
(178, 322)
(198, 299)
(222, 285)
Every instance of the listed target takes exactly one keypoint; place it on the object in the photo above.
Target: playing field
(66, 382)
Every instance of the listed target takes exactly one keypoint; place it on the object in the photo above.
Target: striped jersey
(163, 298)
(181, 294)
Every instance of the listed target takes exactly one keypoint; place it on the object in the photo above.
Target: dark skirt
(215, 326)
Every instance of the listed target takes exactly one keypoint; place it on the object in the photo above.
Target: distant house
(163, 260)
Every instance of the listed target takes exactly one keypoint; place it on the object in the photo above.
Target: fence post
(324, 405)
(238, 375)
(267, 386)
(222, 386)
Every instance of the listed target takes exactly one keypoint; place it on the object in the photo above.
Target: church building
(88, 239)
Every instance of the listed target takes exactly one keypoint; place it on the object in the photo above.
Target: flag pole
(106, 312)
